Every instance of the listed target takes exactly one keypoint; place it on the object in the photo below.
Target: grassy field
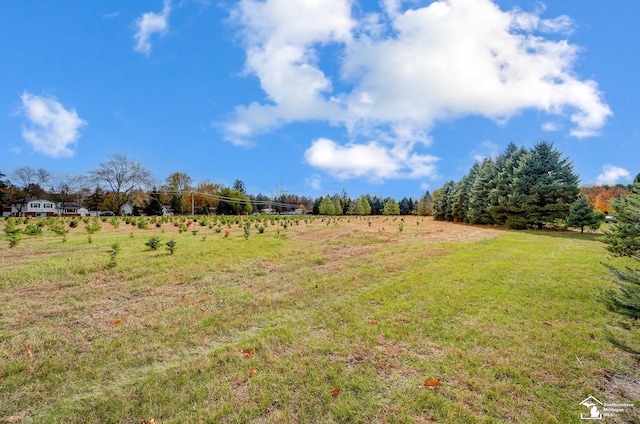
(358, 320)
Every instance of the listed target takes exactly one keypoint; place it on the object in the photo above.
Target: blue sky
(386, 97)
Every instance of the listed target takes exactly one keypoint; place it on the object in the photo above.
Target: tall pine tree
(623, 240)
(544, 186)
(479, 199)
(501, 188)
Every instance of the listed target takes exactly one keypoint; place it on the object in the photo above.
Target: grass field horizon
(350, 319)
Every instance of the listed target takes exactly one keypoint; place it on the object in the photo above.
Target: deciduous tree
(122, 176)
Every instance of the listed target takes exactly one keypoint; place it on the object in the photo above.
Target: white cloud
(373, 161)
(53, 130)
(315, 181)
(550, 126)
(611, 175)
(151, 23)
(405, 70)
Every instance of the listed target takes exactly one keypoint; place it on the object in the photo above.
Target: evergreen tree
(316, 206)
(425, 206)
(95, 199)
(376, 205)
(366, 207)
(544, 186)
(479, 199)
(391, 207)
(3, 192)
(406, 206)
(441, 204)
(337, 205)
(327, 207)
(153, 206)
(623, 239)
(177, 206)
(239, 187)
(460, 205)
(583, 215)
(358, 208)
(502, 187)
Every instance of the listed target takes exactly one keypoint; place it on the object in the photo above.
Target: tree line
(521, 188)
(120, 181)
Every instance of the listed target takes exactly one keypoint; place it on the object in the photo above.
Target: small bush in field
(153, 243)
(33, 230)
(226, 233)
(92, 227)
(143, 224)
(182, 228)
(73, 223)
(11, 227)
(113, 255)
(115, 222)
(171, 246)
(261, 229)
(14, 239)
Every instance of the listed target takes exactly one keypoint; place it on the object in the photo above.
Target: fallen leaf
(457, 338)
(547, 323)
(252, 371)
(506, 310)
(117, 322)
(335, 392)
(268, 411)
(432, 383)
(373, 322)
(15, 418)
(247, 355)
(593, 336)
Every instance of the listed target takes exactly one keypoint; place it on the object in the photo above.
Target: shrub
(153, 243)
(92, 227)
(14, 239)
(33, 230)
(516, 223)
(73, 223)
(171, 246)
(113, 255)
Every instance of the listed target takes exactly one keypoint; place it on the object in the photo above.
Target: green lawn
(265, 329)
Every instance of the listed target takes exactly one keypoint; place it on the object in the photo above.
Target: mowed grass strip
(266, 329)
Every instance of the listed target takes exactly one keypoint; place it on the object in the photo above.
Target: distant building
(45, 208)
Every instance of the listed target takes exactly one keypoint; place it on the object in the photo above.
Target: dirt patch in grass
(386, 229)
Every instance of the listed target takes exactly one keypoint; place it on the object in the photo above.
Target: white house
(44, 208)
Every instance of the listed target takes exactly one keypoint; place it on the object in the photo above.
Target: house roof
(32, 199)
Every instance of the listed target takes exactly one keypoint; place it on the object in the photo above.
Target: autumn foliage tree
(600, 196)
